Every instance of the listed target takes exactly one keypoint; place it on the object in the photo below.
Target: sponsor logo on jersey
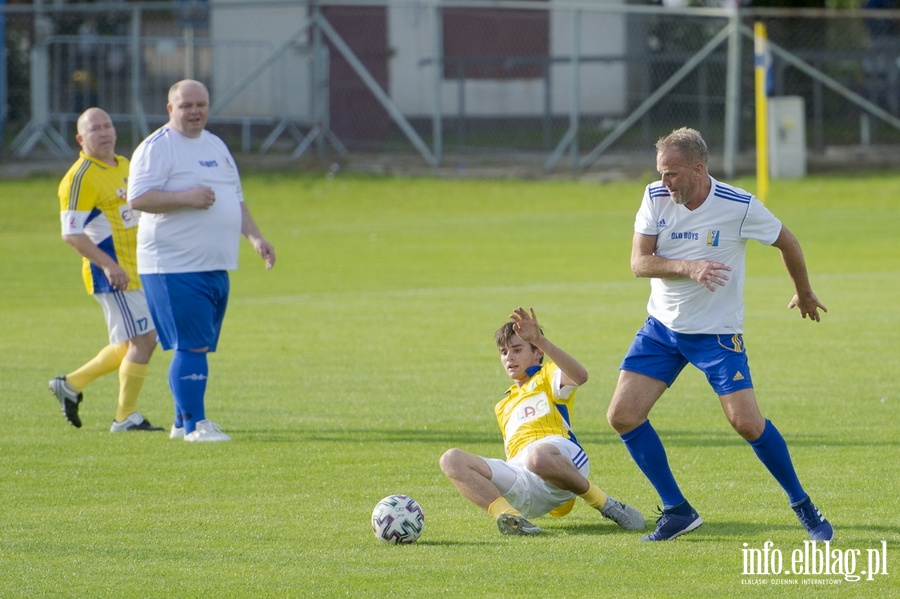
(209, 163)
(690, 235)
(530, 409)
(127, 216)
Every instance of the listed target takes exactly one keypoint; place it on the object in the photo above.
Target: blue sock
(187, 379)
(772, 451)
(649, 454)
(173, 385)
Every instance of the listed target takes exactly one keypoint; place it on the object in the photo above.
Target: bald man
(98, 223)
(185, 182)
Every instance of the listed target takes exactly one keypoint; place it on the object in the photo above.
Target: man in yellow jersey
(100, 225)
(545, 467)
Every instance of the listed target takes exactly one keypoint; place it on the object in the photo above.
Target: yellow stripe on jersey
(533, 411)
(97, 191)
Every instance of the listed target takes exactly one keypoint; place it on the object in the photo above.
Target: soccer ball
(398, 519)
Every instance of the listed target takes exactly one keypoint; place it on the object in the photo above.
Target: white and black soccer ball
(398, 519)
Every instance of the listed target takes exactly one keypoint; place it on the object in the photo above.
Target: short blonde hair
(689, 144)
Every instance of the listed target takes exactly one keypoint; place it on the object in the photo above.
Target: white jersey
(187, 240)
(718, 230)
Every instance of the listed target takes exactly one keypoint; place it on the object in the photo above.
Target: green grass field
(344, 373)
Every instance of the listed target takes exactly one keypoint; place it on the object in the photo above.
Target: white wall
(283, 88)
(411, 34)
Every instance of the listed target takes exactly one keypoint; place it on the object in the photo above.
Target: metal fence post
(139, 127)
(732, 94)
(437, 118)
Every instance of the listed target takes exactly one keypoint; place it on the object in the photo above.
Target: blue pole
(3, 98)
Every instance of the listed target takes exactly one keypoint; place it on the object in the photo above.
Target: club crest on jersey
(712, 238)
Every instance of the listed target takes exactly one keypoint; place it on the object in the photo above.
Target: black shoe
(134, 422)
(68, 399)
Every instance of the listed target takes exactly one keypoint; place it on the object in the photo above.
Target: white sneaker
(134, 422)
(207, 430)
(177, 432)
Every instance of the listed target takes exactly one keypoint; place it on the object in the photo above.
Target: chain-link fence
(557, 84)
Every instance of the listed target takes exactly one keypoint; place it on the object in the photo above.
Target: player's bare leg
(547, 462)
(628, 413)
(743, 413)
(471, 476)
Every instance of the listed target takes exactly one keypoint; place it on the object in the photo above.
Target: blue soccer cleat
(670, 525)
(813, 521)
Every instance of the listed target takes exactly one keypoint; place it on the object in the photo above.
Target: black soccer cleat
(68, 399)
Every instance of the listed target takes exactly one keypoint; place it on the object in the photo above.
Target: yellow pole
(760, 52)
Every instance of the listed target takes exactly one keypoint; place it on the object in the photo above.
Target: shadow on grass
(455, 543)
(600, 528)
(320, 435)
(456, 438)
(727, 438)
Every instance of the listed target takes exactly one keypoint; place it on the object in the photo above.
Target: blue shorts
(187, 308)
(661, 353)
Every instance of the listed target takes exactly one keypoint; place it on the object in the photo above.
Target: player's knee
(146, 342)
(541, 463)
(748, 427)
(451, 461)
(619, 419)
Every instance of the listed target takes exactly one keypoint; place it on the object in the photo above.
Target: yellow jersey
(539, 408)
(92, 200)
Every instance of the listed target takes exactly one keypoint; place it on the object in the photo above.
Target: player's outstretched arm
(792, 255)
(527, 327)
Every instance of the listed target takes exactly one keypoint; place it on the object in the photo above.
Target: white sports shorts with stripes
(127, 314)
(526, 491)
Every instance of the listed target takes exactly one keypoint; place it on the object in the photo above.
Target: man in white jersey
(690, 238)
(186, 183)
(546, 468)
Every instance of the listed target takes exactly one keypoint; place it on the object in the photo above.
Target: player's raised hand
(525, 324)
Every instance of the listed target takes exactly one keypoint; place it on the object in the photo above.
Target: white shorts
(127, 314)
(525, 490)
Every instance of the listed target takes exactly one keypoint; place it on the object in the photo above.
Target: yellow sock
(595, 497)
(563, 509)
(501, 506)
(109, 359)
(131, 379)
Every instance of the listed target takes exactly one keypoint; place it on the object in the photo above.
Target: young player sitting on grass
(545, 468)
